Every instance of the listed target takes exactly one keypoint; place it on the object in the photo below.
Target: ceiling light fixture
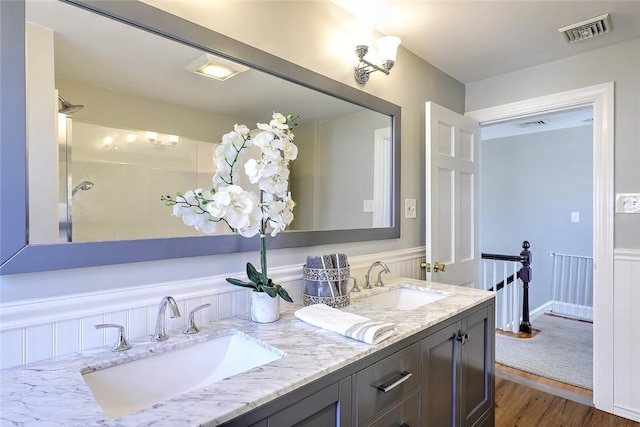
(215, 67)
(387, 50)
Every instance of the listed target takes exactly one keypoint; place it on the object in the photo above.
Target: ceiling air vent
(587, 29)
(534, 123)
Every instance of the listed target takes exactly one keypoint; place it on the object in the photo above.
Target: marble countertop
(53, 393)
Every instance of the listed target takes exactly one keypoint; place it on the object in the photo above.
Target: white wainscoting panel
(40, 329)
(626, 336)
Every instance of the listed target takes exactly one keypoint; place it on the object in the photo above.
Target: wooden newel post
(525, 276)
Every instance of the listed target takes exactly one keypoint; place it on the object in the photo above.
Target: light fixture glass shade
(388, 48)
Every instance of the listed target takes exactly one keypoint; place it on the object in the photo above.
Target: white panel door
(452, 154)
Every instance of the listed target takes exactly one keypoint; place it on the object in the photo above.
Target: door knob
(436, 266)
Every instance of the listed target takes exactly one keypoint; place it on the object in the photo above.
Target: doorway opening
(536, 175)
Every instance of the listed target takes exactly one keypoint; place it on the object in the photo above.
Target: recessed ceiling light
(215, 67)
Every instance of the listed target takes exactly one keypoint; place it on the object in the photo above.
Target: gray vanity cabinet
(441, 376)
(406, 414)
(329, 406)
(382, 389)
(458, 372)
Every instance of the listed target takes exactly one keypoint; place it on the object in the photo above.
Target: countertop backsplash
(35, 330)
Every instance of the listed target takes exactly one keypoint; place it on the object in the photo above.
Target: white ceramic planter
(264, 309)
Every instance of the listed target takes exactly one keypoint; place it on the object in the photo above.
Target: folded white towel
(348, 324)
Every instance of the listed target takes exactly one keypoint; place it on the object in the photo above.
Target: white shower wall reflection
(111, 179)
(130, 170)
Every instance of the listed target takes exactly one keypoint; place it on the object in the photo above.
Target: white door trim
(382, 179)
(601, 98)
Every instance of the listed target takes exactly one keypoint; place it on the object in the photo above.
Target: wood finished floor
(547, 381)
(519, 405)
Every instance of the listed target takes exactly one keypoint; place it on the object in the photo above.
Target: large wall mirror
(116, 116)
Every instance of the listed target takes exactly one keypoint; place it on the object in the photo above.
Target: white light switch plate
(409, 208)
(628, 203)
(575, 216)
(367, 206)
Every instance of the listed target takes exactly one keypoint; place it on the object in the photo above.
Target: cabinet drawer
(387, 382)
(406, 414)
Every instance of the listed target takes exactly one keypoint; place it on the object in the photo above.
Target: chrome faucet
(385, 269)
(161, 321)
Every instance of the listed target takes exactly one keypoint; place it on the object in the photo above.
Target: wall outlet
(628, 203)
(367, 206)
(409, 208)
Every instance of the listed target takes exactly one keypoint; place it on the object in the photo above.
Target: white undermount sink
(406, 298)
(138, 384)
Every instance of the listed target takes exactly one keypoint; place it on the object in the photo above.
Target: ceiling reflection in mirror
(146, 125)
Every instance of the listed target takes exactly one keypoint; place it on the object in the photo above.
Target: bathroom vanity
(437, 370)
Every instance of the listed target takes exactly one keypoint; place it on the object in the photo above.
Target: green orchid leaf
(253, 274)
(283, 293)
(269, 290)
(241, 283)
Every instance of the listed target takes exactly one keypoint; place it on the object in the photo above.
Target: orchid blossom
(263, 156)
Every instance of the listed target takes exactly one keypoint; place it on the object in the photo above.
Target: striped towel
(348, 324)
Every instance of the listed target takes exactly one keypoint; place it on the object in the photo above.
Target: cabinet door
(476, 369)
(439, 362)
(330, 406)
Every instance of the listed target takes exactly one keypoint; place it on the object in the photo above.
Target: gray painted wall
(334, 151)
(619, 63)
(529, 186)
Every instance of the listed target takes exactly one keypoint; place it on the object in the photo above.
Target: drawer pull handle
(404, 375)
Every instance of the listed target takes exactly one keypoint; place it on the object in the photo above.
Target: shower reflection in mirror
(133, 168)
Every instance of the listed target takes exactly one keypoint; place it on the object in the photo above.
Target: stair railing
(524, 274)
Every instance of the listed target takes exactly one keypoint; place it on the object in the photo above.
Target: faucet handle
(191, 327)
(380, 282)
(355, 284)
(121, 343)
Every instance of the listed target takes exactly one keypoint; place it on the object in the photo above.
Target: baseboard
(541, 309)
(572, 310)
(626, 413)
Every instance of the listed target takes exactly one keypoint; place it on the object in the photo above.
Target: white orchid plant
(263, 155)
